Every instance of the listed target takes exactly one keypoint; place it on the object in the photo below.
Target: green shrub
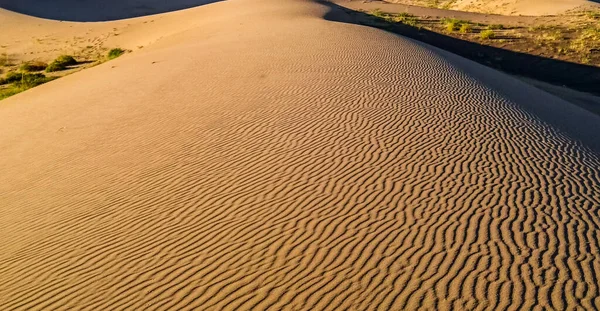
(21, 82)
(487, 34)
(406, 19)
(466, 28)
(61, 63)
(33, 79)
(10, 91)
(453, 24)
(495, 27)
(33, 66)
(593, 14)
(114, 53)
(66, 60)
(11, 77)
(55, 66)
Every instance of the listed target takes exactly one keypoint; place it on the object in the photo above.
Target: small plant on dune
(377, 13)
(33, 66)
(406, 19)
(487, 34)
(68, 60)
(114, 53)
(61, 63)
(588, 40)
(495, 27)
(453, 24)
(593, 14)
(466, 28)
(55, 66)
(450, 24)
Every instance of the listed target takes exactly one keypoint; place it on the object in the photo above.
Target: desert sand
(275, 156)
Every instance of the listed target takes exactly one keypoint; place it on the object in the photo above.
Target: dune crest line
(270, 159)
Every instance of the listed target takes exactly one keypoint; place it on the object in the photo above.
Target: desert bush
(406, 19)
(487, 34)
(587, 40)
(61, 63)
(34, 66)
(11, 77)
(466, 28)
(453, 24)
(114, 53)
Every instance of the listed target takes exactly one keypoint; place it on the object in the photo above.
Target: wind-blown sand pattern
(271, 159)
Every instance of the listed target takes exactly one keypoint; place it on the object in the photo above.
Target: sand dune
(94, 10)
(274, 158)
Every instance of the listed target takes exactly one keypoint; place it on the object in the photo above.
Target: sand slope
(272, 159)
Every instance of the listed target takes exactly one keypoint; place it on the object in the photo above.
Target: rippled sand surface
(274, 159)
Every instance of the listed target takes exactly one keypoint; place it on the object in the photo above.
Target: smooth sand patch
(270, 159)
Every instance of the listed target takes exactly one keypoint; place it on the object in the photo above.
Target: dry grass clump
(34, 66)
(586, 43)
(406, 19)
(453, 24)
(114, 53)
(487, 34)
(17, 82)
(466, 28)
(61, 63)
(401, 18)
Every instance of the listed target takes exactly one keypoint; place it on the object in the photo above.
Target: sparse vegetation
(19, 82)
(487, 34)
(401, 18)
(61, 63)
(4, 60)
(407, 19)
(451, 24)
(114, 53)
(593, 14)
(11, 77)
(580, 43)
(549, 36)
(587, 41)
(33, 66)
(466, 28)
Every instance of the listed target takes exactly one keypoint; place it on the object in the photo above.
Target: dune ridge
(270, 159)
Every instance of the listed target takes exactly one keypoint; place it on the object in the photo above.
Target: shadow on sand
(97, 10)
(579, 77)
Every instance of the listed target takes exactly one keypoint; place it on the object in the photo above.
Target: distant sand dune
(94, 10)
(270, 159)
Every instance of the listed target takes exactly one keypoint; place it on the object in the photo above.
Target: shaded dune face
(95, 10)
